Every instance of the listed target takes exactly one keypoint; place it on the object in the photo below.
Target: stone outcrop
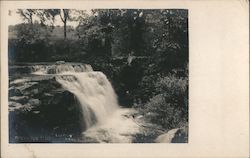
(39, 108)
(177, 135)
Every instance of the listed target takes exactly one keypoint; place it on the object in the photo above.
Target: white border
(219, 84)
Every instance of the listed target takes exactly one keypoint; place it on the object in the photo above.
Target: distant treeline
(55, 32)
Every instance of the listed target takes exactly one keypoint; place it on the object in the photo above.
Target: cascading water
(94, 93)
(60, 68)
(104, 120)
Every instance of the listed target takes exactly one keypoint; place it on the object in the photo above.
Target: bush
(147, 87)
(174, 89)
(169, 107)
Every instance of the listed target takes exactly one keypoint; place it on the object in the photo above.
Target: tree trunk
(31, 19)
(65, 30)
(64, 20)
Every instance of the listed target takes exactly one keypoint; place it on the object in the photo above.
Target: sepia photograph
(98, 76)
(124, 78)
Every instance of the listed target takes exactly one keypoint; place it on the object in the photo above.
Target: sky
(15, 18)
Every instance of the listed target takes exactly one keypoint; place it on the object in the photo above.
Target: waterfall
(94, 92)
(91, 88)
(104, 120)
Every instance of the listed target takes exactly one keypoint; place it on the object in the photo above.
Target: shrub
(169, 107)
(147, 87)
(174, 89)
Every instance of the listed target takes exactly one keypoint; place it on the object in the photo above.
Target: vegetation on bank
(168, 107)
(144, 53)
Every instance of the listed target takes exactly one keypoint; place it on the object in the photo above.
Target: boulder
(177, 135)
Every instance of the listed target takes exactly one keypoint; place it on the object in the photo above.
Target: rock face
(40, 110)
(177, 135)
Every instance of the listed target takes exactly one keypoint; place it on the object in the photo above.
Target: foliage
(38, 45)
(158, 34)
(174, 88)
(30, 44)
(169, 106)
(32, 33)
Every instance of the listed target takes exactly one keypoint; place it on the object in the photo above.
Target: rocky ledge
(40, 110)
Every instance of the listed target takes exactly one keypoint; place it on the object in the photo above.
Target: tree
(64, 15)
(47, 16)
(27, 14)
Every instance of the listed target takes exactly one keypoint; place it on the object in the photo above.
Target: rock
(34, 102)
(48, 94)
(35, 91)
(181, 136)
(19, 99)
(14, 92)
(23, 86)
(14, 105)
(177, 135)
(26, 108)
(31, 117)
(60, 62)
(36, 112)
